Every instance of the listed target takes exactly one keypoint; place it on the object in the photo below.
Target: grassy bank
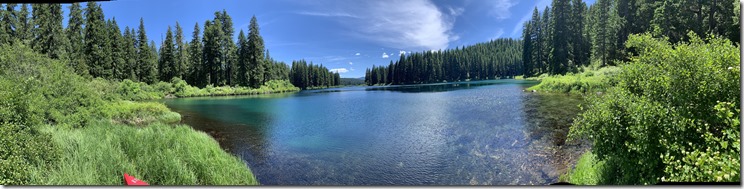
(590, 80)
(159, 154)
(178, 88)
(59, 128)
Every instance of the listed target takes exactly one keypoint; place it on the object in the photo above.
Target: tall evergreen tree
(579, 43)
(255, 51)
(229, 49)
(95, 39)
(76, 47)
(24, 25)
(180, 52)
(8, 21)
(546, 39)
(130, 54)
(167, 65)
(526, 50)
(117, 43)
(196, 71)
(243, 59)
(559, 41)
(49, 38)
(146, 67)
(212, 52)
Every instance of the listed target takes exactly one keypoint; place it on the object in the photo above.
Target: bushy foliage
(673, 115)
(130, 90)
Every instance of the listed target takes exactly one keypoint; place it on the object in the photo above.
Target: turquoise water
(482, 133)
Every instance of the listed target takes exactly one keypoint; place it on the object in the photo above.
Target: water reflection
(478, 133)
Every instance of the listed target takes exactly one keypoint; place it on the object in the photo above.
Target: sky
(346, 36)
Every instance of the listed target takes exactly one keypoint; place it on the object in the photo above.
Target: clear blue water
(469, 133)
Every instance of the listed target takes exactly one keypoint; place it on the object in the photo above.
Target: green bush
(673, 115)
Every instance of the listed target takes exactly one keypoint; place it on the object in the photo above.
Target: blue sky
(345, 35)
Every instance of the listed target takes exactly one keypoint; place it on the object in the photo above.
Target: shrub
(673, 115)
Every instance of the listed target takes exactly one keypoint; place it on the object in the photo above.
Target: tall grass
(59, 128)
(579, 83)
(158, 154)
(587, 171)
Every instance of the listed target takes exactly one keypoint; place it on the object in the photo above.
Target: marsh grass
(587, 171)
(159, 154)
(580, 83)
(140, 113)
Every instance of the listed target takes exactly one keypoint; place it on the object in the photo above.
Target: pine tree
(76, 47)
(49, 39)
(167, 64)
(146, 68)
(243, 59)
(255, 51)
(153, 63)
(130, 54)
(196, 70)
(24, 25)
(527, 50)
(212, 52)
(545, 41)
(118, 52)
(8, 21)
(180, 53)
(95, 39)
(559, 41)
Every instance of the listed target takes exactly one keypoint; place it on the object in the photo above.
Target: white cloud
(498, 34)
(385, 55)
(500, 8)
(401, 53)
(323, 14)
(351, 69)
(455, 11)
(357, 54)
(400, 24)
(339, 70)
(351, 63)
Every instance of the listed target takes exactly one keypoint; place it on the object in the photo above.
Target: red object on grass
(134, 181)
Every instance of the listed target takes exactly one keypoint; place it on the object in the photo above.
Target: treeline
(569, 35)
(96, 47)
(494, 59)
(306, 76)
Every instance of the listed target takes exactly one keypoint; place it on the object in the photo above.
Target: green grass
(158, 154)
(580, 83)
(60, 128)
(588, 171)
(140, 113)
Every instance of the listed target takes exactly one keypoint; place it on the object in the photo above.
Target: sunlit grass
(579, 83)
(159, 154)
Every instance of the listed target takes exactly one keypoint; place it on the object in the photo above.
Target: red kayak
(134, 181)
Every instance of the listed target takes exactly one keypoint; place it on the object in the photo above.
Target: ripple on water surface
(469, 133)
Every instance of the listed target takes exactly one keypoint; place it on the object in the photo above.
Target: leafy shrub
(673, 115)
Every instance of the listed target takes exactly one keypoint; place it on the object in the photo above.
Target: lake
(466, 133)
